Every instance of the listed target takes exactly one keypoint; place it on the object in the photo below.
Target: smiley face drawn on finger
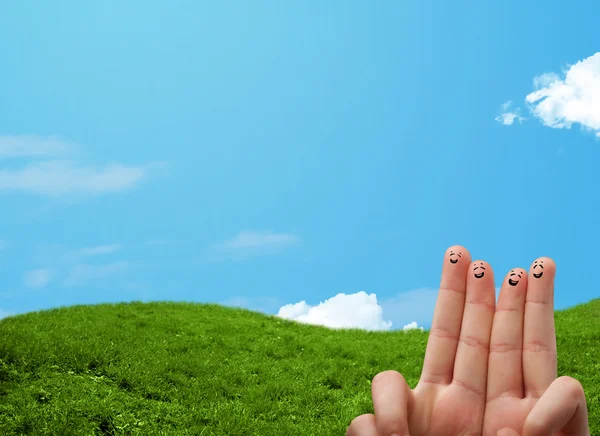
(454, 259)
(540, 272)
(478, 274)
(514, 278)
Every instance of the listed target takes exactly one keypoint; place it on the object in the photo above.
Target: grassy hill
(193, 369)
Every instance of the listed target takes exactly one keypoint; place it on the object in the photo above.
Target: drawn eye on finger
(478, 270)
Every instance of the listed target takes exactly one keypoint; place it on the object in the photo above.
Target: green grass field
(193, 369)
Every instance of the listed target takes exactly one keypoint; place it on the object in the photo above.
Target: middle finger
(470, 369)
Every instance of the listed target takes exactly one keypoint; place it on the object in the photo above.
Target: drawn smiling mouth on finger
(481, 273)
(540, 272)
(514, 282)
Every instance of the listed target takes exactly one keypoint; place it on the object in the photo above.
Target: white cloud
(359, 310)
(38, 278)
(412, 326)
(559, 103)
(57, 178)
(509, 117)
(34, 146)
(544, 80)
(81, 274)
(249, 243)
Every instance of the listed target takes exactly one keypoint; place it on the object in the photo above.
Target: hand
(486, 370)
(523, 395)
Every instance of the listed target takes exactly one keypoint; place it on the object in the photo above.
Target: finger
(447, 318)
(562, 408)
(391, 396)
(539, 338)
(470, 368)
(363, 425)
(505, 366)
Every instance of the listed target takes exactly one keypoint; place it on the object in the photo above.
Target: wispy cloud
(34, 146)
(250, 243)
(56, 178)
(99, 249)
(77, 256)
(561, 102)
(38, 278)
(508, 117)
(82, 274)
(52, 171)
(73, 268)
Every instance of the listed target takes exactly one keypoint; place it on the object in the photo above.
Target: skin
(488, 370)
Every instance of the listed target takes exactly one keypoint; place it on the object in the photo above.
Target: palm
(454, 411)
(505, 412)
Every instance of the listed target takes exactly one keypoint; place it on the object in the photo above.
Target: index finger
(438, 366)
(391, 399)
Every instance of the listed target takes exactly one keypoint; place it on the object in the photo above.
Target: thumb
(561, 407)
(391, 398)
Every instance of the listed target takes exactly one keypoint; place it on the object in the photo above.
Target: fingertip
(386, 378)
(480, 269)
(362, 425)
(571, 387)
(542, 266)
(457, 254)
(516, 277)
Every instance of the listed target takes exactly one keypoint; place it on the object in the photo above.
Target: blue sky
(283, 152)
